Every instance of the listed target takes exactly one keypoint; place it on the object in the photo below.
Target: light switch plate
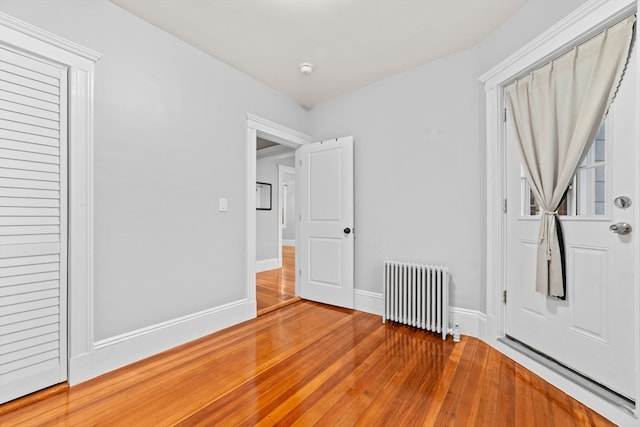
(223, 206)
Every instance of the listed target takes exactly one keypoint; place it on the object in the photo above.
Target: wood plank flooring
(276, 288)
(311, 364)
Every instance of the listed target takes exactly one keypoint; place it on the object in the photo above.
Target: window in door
(587, 192)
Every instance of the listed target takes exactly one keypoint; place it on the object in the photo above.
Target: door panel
(324, 173)
(33, 224)
(591, 331)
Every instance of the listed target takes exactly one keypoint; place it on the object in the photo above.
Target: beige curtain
(556, 111)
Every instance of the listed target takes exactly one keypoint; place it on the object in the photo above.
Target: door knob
(347, 230)
(620, 228)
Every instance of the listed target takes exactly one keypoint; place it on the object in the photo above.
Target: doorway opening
(275, 261)
(269, 262)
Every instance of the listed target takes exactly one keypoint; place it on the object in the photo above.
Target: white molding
(369, 302)
(47, 37)
(258, 126)
(275, 132)
(116, 352)
(586, 21)
(288, 242)
(471, 322)
(582, 24)
(80, 64)
(268, 264)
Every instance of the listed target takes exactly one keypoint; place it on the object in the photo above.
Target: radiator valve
(456, 332)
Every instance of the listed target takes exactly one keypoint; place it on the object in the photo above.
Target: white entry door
(325, 253)
(33, 223)
(591, 331)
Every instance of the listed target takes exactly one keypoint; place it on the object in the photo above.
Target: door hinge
(504, 115)
(300, 273)
(504, 296)
(300, 163)
(504, 205)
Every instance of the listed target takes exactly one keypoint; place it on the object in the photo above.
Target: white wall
(267, 227)
(170, 139)
(420, 158)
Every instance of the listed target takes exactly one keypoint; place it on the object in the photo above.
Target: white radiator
(417, 295)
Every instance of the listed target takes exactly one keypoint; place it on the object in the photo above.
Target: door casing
(593, 17)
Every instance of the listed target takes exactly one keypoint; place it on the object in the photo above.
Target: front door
(325, 253)
(591, 331)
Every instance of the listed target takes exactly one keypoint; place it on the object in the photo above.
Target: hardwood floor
(311, 364)
(276, 288)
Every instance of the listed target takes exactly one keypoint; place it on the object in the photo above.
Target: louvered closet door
(33, 224)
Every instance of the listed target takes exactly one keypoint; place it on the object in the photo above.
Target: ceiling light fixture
(306, 68)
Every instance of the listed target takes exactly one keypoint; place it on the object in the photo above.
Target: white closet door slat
(28, 288)
(26, 362)
(16, 116)
(42, 259)
(28, 110)
(6, 76)
(28, 92)
(11, 211)
(29, 269)
(31, 305)
(28, 156)
(31, 175)
(21, 60)
(28, 137)
(28, 147)
(28, 128)
(30, 239)
(23, 192)
(29, 166)
(30, 184)
(36, 331)
(15, 251)
(38, 104)
(10, 221)
(29, 74)
(28, 229)
(27, 316)
(29, 343)
(29, 278)
(13, 328)
(29, 202)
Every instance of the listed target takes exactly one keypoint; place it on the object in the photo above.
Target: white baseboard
(116, 352)
(267, 264)
(369, 302)
(472, 322)
(288, 242)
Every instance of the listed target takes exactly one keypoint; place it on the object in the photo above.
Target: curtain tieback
(548, 227)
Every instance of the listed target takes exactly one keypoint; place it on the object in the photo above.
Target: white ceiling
(351, 43)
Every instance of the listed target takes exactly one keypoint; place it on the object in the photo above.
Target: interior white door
(591, 331)
(33, 223)
(325, 252)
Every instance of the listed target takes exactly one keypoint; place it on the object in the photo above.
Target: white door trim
(282, 169)
(586, 21)
(257, 126)
(80, 62)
